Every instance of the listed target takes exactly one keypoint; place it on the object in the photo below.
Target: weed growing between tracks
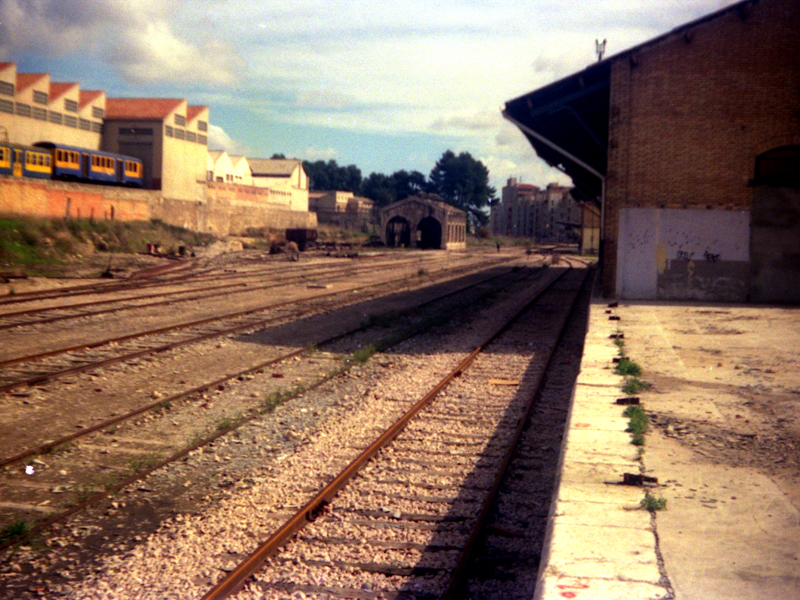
(16, 529)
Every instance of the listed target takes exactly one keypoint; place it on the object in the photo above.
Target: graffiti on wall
(684, 254)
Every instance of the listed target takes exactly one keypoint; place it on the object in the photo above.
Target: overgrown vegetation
(48, 246)
(637, 423)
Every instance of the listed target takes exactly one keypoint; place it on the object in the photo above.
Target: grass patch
(278, 397)
(48, 246)
(360, 356)
(634, 385)
(14, 530)
(651, 503)
(628, 368)
(637, 424)
(141, 463)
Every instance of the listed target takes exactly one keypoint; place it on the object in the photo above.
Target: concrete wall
(690, 113)
(57, 199)
(683, 254)
(228, 209)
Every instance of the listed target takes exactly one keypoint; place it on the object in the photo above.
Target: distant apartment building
(544, 215)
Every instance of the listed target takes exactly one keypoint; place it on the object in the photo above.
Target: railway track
(44, 366)
(404, 526)
(141, 445)
(172, 291)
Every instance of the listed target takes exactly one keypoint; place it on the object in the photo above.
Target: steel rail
(51, 445)
(207, 292)
(456, 581)
(253, 413)
(40, 378)
(200, 294)
(236, 578)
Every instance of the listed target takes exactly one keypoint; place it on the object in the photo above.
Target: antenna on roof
(600, 48)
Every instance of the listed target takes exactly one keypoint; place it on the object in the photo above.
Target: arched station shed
(424, 221)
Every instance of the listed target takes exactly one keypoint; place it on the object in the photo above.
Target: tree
(463, 182)
(379, 188)
(331, 176)
(407, 184)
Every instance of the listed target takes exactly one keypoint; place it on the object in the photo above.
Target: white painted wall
(651, 238)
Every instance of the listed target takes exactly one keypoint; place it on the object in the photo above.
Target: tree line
(459, 179)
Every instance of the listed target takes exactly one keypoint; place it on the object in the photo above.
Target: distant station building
(424, 221)
(689, 144)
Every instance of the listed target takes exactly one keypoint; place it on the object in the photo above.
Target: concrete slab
(724, 443)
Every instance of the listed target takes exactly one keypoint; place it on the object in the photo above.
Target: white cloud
(137, 38)
(218, 139)
(312, 153)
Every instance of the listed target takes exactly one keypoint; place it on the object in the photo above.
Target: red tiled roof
(58, 89)
(5, 65)
(88, 96)
(141, 108)
(192, 112)
(25, 80)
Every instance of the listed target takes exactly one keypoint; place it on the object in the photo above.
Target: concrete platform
(731, 527)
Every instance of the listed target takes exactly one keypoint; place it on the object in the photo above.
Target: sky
(385, 86)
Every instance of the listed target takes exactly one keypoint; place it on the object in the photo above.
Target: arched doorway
(429, 234)
(398, 233)
(775, 227)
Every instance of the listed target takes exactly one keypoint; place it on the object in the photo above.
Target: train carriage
(24, 161)
(82, 164)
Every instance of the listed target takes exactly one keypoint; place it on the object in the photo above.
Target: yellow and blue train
(57, 161)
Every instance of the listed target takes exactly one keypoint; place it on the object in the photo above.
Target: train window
(47, 160)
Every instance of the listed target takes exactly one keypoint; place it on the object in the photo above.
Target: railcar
(82, 164)
(24, 161)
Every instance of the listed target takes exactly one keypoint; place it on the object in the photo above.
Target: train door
(85, 165)
(17, 162)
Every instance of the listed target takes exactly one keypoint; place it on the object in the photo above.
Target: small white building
(286, 178)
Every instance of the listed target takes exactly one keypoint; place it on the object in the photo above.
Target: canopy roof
(566, 122)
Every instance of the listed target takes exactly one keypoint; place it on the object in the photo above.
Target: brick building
(690, 144)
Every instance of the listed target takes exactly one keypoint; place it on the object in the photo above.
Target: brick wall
(56, 199)
(690, 112)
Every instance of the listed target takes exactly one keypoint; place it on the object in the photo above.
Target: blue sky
(384, 85)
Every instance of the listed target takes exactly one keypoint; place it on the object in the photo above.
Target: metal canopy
(566, 122)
